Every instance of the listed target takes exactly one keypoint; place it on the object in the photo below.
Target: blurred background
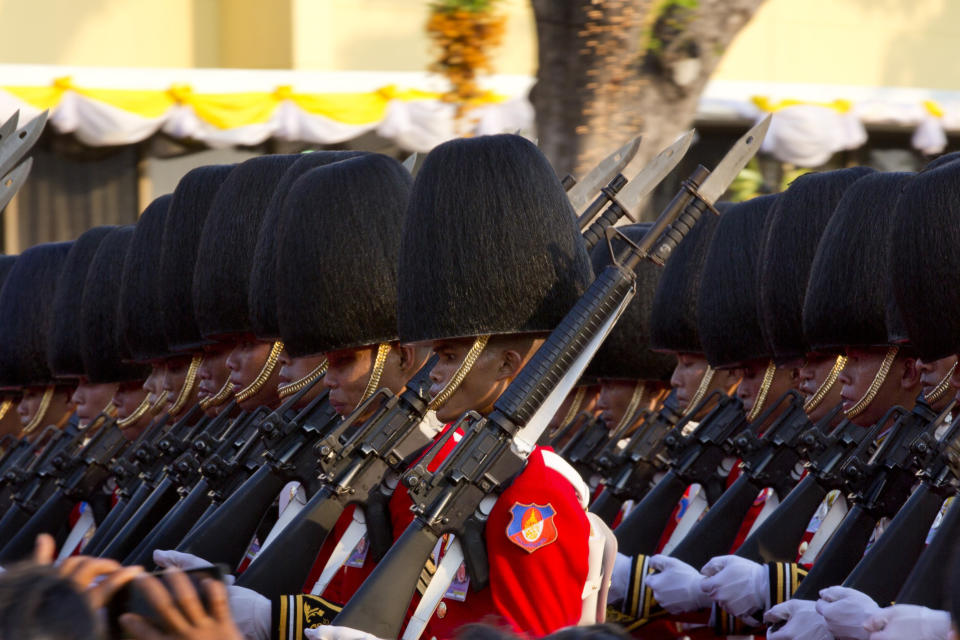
(141, 91)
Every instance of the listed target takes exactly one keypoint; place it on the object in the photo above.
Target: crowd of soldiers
(392, 406)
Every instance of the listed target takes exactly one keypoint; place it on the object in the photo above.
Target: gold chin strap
(468, 361)
(814, 401)
(878, 381)
(374, 382)
(286, 390)
(932, 398)
(226, 392)
(141, 410)
(254, 387)
(188, 383)
(574, 407)
(41, 413)
(635, 399)
(761, 398)
(702, 389)
(5, 407)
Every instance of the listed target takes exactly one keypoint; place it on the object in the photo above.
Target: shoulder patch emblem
(531, 526)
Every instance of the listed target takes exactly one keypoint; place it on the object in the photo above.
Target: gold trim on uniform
(468, 361)
(187, 387)
(383, 350)
(814, 401)
(254, 387)
(42, 409)
(702, 389)
(291, 388)
(874, 388)
(932, 398)
(761, 398)
(217, 399)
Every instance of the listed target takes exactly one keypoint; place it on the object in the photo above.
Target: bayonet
(583, 192)
(9, 126)
(11, 183)
(14, 148)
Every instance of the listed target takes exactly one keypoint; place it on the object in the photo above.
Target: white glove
(677, 585)
(738, 585)
(337, 633)
(251, 612)
(802, 621)
(845, 611)
(184, 562)
(908, 621)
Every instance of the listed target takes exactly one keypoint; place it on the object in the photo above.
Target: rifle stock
(926, 585)
(841, 553)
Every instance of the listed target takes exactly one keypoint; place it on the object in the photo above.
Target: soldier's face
(128, 397)
(931, 374)
(90, 399)
(814, 370)
(245, 362)
(687, 376)
(153, 385)
(29, 404)
(614, 397)
(751, 383)
(293, 369)
(213, 373)
(348, 372)
(176, 376)
(900, 386)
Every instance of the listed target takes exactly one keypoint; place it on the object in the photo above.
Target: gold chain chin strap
(254, 387)
(932, 398)
(702, 389)
(479, 344)
(639, 391)
(291, 388)
(5, 407)
(188, 383)
(217, 399)
(814, 401)
(41, 413)
(142, 409)
(761, 398)
(374, 382)
(574, 407)
(878, 381)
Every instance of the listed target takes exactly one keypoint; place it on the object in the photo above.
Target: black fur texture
(490, 243)
(101, 346)
(263, 279)
(221, 279)
(178, 254)
(727, 315)
(796, 223)
(849, 288)
(337, 247)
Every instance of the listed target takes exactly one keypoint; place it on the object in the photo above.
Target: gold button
(441, 609)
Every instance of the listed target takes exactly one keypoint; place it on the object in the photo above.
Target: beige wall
(864, 42)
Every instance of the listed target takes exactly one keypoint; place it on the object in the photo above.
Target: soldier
(178, 257)
(25, 321)
(63, 348)
(101, 349)
(9, 398)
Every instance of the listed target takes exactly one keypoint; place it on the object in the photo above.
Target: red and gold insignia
(531, 526)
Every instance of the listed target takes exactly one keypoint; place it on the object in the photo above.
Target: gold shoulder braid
(41, 413)
(932, 398)
(874, 388)
(5, 408)
(574, 407)
(139, 412)
(468, 361)
(814, 401)
(761, 398)
(187, 387)
(639, 390)
(374, 382)
(702, 389)
(286, 390)
(226, 392)
(254, 387)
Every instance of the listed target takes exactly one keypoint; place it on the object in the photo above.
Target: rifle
(878, 485)
(769, 460)
(694, 458)
(455, 498)
(82, 477)
(586, 445)
(637, 464)
(354, 457)
(226, 534)
(890, 562)
(566, 434)
(778, 537)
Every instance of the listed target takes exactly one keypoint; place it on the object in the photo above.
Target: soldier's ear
(510, 363)
(911, 374)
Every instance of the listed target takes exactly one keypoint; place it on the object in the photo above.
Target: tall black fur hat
(490, 243)
(26, 314)
(63, 347)
(101, 347)
(626, 354)
(263, 285)
(727, 309)
(673, 318)
(796, 223)
(924, 262)
(337, 249)
(141, 328)
(939, 161)
(849, 289)
(6, 264)
(178, 253)
(221, 280)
